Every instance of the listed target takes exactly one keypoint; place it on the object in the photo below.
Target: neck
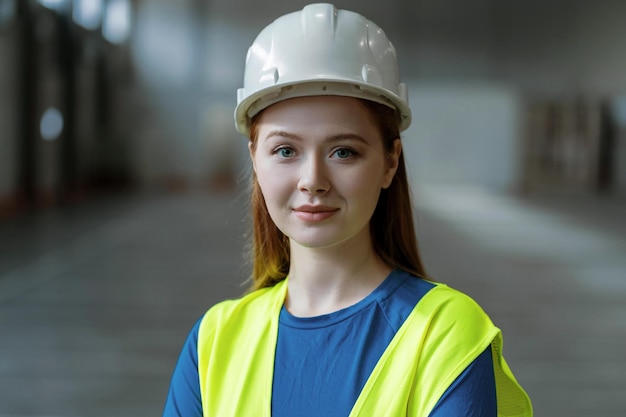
(325, 280)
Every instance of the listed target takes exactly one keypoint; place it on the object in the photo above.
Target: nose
(313, 176)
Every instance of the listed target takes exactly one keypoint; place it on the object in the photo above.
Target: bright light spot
(88, 13)
(164, 44)
(117, 21)
(619, 109)
(54, 4)
(7, 10)
(51, 124)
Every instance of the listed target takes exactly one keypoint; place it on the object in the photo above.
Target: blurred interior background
(116, 133)
(116, 93)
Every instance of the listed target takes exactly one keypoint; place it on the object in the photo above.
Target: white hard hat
(320, 51)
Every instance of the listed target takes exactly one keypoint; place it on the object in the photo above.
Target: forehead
(319, 113)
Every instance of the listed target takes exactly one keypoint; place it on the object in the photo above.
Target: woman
(341, 320)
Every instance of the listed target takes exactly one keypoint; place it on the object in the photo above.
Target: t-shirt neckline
(384, 289)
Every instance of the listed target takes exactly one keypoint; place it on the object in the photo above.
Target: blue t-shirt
(323, 362)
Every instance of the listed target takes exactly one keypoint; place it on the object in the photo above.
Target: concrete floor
(96, 299)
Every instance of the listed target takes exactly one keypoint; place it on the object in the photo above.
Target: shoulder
(399, 294)
(459, 331)
(456, 317)
(254, 306)
(445, 298)
(436, 298)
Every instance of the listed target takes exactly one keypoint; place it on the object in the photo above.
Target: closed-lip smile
(314, 213)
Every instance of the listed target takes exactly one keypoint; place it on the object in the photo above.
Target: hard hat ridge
(320, 50)
(319, 18)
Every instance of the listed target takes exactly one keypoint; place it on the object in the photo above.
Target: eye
(284, 152)
(344, 153)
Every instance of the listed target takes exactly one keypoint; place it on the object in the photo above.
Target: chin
(313, 240)
(319, 241)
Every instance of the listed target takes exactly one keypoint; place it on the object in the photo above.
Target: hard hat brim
(253, 104)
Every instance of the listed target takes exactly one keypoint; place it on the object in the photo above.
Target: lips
(313, 214)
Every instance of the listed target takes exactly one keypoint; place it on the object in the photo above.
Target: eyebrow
(332, 138)
(282, 134)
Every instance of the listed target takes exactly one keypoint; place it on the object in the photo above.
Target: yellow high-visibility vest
(442, 336)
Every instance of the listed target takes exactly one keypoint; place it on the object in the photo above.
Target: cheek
(362, 188)
(368, 179)
(274, 185)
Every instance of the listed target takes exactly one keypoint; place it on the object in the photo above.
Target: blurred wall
(464, 134)
(9, 112)
(480, 68)
(561, 47)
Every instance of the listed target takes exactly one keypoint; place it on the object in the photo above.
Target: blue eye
(344, 153)
(285, 152)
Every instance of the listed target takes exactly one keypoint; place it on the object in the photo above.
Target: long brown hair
(391, 227)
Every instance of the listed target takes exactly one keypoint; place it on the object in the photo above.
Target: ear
(251, 150)
(393, 160)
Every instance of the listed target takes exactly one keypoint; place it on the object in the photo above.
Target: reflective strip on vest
(442, 336)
